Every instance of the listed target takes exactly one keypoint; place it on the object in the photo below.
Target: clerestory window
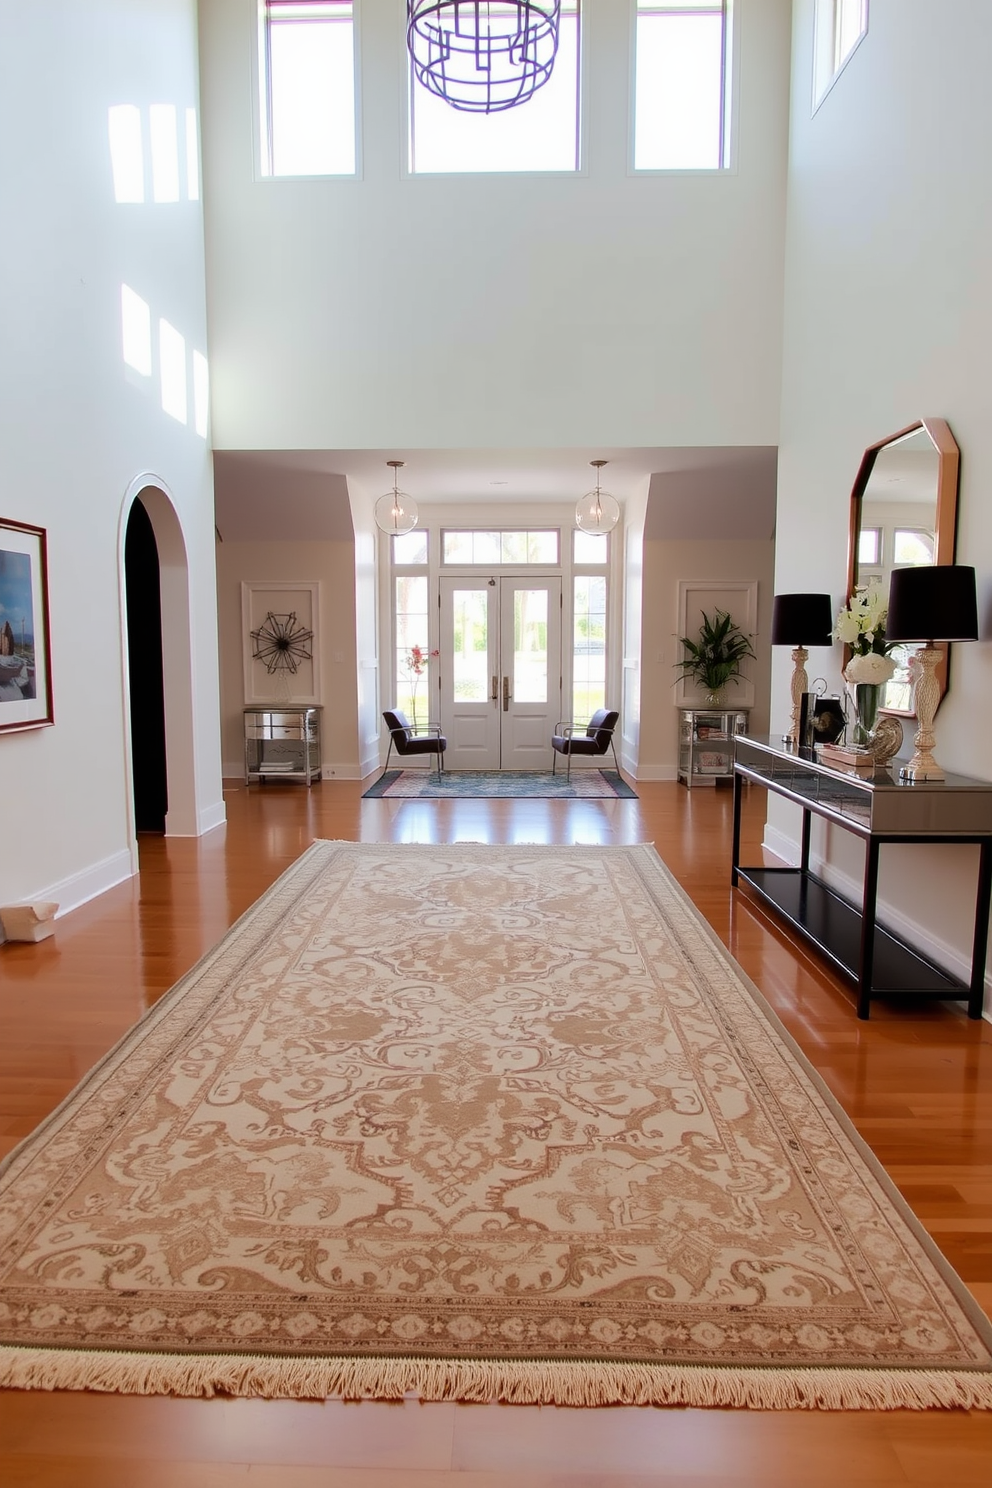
(541, 134)
(839, 26)
(681, 85)
(306, 77)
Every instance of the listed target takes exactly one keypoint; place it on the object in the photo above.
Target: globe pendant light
(597, 512)
(481, 56)
(396, 513)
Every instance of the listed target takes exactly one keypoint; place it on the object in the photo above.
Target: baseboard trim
(212, 816)
(654, 772)
(79, 888)
(945, 955)
(328, 771)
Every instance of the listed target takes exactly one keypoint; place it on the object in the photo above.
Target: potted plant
(714, 659)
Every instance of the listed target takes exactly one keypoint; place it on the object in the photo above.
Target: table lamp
(800, 620)
(930, 604)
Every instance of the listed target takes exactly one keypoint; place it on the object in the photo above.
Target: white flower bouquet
(861, 625)
(871, 667)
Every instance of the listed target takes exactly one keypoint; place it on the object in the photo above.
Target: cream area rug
(480, 1123)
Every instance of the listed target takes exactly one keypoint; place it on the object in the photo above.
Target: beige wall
(665, 563)
(332, 564)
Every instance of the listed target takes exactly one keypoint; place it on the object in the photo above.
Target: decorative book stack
(845, 757)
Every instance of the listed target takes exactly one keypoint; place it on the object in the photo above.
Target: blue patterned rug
(585, 785)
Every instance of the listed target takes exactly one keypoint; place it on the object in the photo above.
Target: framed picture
(25, 646)
(281, 635)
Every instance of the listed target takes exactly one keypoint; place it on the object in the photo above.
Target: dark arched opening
(145, 674)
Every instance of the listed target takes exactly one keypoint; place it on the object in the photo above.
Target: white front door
(500, 671)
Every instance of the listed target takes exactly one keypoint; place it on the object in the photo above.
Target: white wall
(77, 433)
(888, 318)
(495, 311)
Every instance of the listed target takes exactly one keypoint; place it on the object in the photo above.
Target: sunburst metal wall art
(281, 643)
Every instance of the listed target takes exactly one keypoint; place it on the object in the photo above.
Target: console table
(878, 809)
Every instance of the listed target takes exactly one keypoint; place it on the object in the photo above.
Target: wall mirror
(904, 512)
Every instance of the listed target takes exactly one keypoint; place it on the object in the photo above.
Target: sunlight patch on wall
(192, 157)
(172, 369)
(126, 154)
(136, 327)
(165, 152)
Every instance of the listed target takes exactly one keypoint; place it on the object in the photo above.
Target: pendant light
(597, 512)
(396, 513)
(479, 56)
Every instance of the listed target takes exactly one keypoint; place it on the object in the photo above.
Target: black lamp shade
(802, 620)
(932, 604)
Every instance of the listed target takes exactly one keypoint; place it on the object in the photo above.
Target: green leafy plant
(715, 658)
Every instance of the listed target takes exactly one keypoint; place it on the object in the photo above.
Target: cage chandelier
(396, 512)
(483, 56)
(597, 512)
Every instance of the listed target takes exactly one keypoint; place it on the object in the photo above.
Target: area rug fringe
(535, 1382)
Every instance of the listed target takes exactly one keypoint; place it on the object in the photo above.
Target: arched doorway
(143, 592)
(156, 525)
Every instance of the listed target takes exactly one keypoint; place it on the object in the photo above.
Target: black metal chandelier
(483, 56)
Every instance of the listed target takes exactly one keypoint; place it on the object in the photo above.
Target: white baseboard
(212, 816)
(329, 770)
(654, 772)
(79, 888)
(928, 944)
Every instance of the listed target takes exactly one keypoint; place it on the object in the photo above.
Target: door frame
(496, 708)
(542, 516)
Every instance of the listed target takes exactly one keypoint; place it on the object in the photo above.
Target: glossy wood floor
(918, 1084)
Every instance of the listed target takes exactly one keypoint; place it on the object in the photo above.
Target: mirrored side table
(282, 743)
(706, 743)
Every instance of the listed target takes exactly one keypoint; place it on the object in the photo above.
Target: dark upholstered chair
(407, 740)
(569, 739)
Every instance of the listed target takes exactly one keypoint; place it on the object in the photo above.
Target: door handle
(495, 691)
(506, 694)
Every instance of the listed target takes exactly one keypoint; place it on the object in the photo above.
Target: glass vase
(867, 696)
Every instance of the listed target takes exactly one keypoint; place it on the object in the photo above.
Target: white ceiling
(265, 495)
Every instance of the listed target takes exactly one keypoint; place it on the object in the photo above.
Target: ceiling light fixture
(597, 512)
(396, 513)
(483, 57)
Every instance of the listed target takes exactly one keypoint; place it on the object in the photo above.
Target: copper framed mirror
(904, 509)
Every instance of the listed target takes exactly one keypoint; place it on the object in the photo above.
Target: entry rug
(480, 1123)
(584, 785)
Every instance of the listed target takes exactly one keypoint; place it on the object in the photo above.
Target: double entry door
(500, 671)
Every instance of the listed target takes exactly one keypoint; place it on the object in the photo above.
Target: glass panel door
(530, 678)
(468, 667)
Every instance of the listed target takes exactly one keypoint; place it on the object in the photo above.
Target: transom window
(494, 548)
(681, 88)
(541, 134)
(307, 87)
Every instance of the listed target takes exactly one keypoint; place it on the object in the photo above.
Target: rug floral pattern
(460, 1102)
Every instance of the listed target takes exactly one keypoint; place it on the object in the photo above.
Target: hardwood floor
(918, 1085)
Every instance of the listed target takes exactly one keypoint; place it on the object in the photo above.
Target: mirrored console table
(878, 808)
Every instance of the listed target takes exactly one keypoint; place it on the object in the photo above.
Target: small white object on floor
(28, 921)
